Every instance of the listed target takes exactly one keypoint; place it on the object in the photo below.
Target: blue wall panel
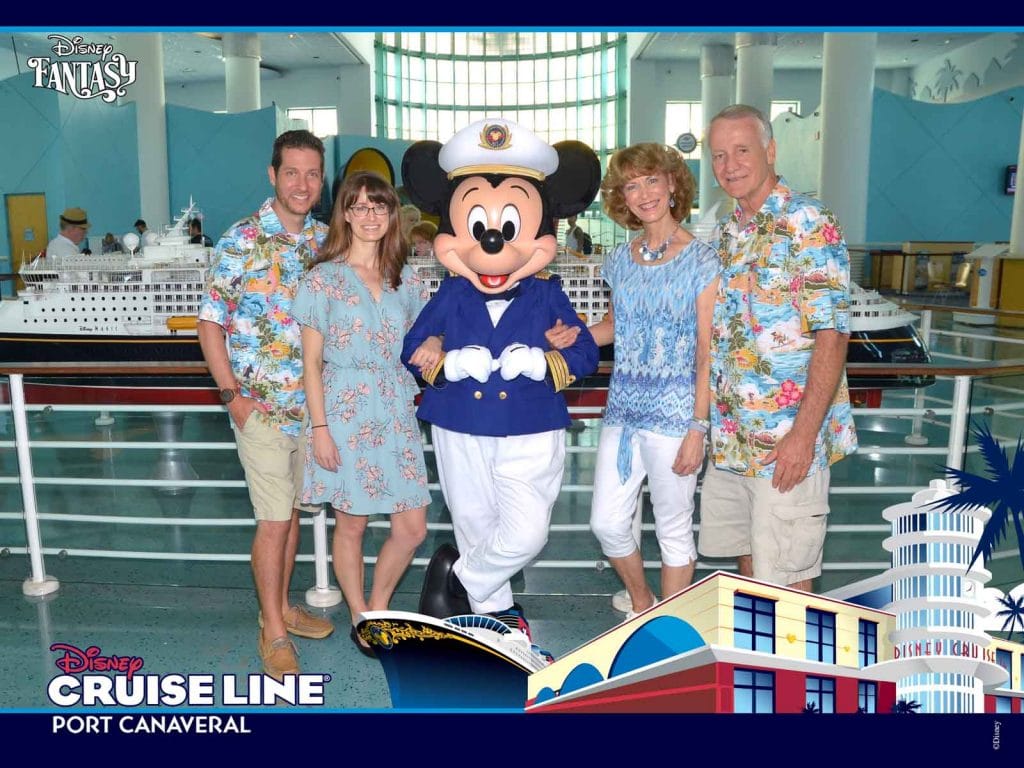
(221, 162)
(32, 152)
(936, 170)
(99, 154)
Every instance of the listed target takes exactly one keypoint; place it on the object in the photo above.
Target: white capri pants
(500, 491)
(611, 515)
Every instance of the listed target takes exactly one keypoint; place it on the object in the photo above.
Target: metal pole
(916, 437)
(38, 583)
(958, 422)
(322, 594)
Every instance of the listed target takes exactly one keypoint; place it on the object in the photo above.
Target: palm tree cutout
(1002, 492)
(1014, 613)
(946, 80)
(905, 707)
(811, 709)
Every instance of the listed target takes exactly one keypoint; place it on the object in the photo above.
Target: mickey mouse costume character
(494, 399)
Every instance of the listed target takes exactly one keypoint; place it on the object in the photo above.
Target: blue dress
(368, 393)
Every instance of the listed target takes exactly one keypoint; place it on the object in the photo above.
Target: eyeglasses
(379, 209)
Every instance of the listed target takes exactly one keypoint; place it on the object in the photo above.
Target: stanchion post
(38, 583)
(916, 437)
(321, 594)
(958, 422)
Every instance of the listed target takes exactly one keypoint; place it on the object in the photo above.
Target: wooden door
(26, 227)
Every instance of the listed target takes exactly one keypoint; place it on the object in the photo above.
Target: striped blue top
(655, 309)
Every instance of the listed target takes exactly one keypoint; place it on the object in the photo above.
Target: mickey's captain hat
(496, 145)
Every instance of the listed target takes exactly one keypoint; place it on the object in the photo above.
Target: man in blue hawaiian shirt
(257, 266)
(780, 413)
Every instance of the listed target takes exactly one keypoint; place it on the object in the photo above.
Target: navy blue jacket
(458, 311)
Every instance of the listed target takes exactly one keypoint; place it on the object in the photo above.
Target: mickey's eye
(510, 223)
(477, 221)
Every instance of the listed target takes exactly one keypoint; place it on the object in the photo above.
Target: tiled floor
(190, 607)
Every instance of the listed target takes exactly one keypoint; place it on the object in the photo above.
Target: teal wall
(76, 152)
(392, 149)
(100, 165)
(220, 161)
(937, 170)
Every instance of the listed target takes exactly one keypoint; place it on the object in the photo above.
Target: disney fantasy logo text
(107, 77)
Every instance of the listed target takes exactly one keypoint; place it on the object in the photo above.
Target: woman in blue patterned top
(663, 285)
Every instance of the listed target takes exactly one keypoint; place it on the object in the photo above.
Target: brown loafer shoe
(279, 657)
(301, 623)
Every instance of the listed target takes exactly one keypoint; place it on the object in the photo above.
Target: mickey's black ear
(424, 180)
(575, 184)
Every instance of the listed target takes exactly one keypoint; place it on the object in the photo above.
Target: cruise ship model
(462, 661)
(138, 306)
(141, 307)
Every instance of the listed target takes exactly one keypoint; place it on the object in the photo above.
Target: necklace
(649, 255)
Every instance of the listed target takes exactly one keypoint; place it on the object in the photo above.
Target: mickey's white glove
(468, 361)
(521, 360)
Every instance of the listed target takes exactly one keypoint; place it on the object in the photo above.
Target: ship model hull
(432, 665)
(78, 348)
(896, 346)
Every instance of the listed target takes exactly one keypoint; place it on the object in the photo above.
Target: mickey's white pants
(500, 491)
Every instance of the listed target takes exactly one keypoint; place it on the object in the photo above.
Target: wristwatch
(227, 395)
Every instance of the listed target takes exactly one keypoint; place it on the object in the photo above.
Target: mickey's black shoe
(443, 594)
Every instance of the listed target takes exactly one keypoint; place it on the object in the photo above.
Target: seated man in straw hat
(74, 223)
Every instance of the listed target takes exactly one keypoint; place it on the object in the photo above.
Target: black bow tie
(508, 295)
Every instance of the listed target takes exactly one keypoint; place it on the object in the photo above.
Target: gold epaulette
(431, 375)
(559, 370)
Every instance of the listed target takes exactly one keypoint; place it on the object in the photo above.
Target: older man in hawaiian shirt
(781, 412)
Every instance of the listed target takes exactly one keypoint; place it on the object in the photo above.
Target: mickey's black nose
(492, 242)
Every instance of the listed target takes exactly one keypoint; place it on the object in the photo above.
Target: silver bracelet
(700, 425)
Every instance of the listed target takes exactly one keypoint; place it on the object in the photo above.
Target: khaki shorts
(274, 465)
(784, 533)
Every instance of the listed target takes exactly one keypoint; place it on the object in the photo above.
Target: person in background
(663, 285)
(421, 238)
(409, 217)
(111, 244)
(780, 405)
(364, 455)
(74, 225)
(576, 240)
(258, 264)
(195, 232)
(140, 227)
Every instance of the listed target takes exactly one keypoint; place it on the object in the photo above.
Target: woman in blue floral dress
(364, 455)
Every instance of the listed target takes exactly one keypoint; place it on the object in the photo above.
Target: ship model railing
(183, 458)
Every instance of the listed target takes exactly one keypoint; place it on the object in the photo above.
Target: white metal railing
(40, 583)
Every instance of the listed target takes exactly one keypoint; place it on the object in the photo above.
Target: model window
(821, 692)
(753, 623)
(867, 642)
(821, 636)
(753, 691)
(867, 697)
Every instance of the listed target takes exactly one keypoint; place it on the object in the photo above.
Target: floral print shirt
(256, 271)
(785, 275)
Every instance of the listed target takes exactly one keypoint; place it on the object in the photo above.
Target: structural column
(1011, 291)
(755, 69)
(147, 92)
(847, 85)
(241, 71)
(717, 67)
